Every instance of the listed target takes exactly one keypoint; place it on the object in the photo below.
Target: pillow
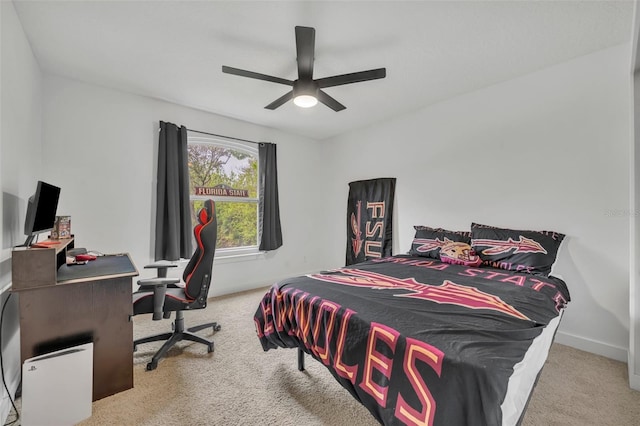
(428, 241)
(459, 254)
(533, 252)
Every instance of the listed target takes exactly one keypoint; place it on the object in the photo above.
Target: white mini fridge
(57, 387)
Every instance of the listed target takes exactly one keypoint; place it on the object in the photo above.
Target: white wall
(548, 150)
(634, 206)
(20, 161)
(100, 147)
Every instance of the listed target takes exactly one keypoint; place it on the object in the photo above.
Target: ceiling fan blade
(305, 49)
(330, 102)
(251, 74)
(280, 101)
(353, 77)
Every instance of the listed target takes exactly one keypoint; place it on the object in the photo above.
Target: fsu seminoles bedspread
(415, 340)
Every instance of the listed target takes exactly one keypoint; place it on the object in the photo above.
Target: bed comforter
(415, 340)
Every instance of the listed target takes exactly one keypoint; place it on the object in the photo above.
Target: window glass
(227, 172)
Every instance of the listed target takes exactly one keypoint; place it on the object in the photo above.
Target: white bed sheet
(525, 374)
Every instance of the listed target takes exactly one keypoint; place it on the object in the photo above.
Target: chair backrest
(197, 273)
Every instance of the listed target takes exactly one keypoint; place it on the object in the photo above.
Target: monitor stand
(28, 241)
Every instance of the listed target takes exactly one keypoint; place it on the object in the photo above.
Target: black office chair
(163, 295)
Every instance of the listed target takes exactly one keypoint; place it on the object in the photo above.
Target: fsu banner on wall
(369, 218)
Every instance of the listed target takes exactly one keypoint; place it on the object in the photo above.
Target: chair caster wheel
(151, 366)
(217, 327)
(210, 348)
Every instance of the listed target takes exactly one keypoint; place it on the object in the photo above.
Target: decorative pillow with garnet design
(533, 252)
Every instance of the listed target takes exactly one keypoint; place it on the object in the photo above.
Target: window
(226, 171)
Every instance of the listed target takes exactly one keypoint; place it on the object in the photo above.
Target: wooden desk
(61, 306)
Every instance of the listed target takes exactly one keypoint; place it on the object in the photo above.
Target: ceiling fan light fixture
(305, 101)
(307, 91)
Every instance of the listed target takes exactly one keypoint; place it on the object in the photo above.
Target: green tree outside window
(212, 164)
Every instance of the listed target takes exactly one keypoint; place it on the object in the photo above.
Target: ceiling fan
(307, 91)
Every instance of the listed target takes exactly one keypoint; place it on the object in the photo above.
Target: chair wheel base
(179, 334)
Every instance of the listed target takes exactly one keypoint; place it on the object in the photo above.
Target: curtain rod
(222, 136)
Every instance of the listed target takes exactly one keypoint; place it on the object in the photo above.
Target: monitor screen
(41, 210)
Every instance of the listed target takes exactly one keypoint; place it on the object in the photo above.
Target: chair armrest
(162, 267)
(149, 282)
(161, 264)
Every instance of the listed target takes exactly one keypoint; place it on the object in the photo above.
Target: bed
(420, 340)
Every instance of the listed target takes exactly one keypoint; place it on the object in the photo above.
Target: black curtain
(269, 216)
(173, 219)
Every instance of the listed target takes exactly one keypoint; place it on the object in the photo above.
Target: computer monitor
(41, 211)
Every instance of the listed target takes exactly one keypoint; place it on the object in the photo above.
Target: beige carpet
(239, 384)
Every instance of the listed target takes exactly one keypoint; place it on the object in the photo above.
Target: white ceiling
(433, 50)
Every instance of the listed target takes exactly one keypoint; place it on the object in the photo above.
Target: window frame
(248, 148)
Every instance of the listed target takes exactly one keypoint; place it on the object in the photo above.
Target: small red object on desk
(82, 257)
(45, 244)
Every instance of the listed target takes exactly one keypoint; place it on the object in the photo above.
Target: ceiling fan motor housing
(302, 87)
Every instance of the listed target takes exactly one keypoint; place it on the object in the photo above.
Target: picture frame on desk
(61, 228)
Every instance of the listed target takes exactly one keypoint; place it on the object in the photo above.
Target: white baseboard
(599, 348)
(216, 290)
(634, 379)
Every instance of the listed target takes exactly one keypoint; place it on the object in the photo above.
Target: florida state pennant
(369, 219)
